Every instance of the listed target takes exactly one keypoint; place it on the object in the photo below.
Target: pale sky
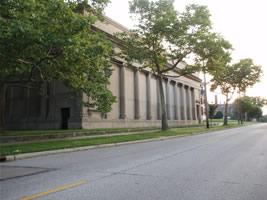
(242, 22)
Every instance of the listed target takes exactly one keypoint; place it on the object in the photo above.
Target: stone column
(158, 100)
(190, 103)
(175, 94)
(136, 95)
(178, 101)
(168, 100)
(194, 104)
(148, 96)
(122, 92)
(185, 102)
(181, 101)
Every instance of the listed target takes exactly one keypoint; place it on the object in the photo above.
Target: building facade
(137, 105)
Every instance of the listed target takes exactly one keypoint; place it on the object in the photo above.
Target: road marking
(57, 189)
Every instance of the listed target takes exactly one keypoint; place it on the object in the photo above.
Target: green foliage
(46, 40)
(218, 115)
(212, 109)
(234, 77)
(263, 118)
(224, 79)
(250, 107)
(165, 38)
(246, 74)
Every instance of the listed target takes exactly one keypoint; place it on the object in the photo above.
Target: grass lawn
(11, 149)
(230, 121)
(60, 131)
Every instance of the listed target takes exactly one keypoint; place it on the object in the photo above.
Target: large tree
(164, 38)
(47, 40)
(249, 107)
(246, 74)
(224, 79)
(214, 52)
(212, 110)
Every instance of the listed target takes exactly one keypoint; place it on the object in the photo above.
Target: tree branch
(172, 67)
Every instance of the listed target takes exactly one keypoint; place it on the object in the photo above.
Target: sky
(242, 22)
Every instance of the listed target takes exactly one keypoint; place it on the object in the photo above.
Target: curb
(52, 152)
(45, 153)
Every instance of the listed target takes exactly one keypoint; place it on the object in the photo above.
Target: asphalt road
(229, 165)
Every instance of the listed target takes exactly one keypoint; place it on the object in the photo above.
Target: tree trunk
(2, 105)
(239, 109)
(164, 120)
(206, 102)
(225, 120)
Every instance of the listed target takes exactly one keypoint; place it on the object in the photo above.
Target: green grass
(52, 132)
(230, 121)
(11, 149)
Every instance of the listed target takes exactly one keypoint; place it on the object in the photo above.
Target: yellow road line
(57, 189)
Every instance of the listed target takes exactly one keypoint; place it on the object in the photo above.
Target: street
(223, 165)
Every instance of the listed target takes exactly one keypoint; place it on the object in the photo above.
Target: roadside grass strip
(8, 133)
(14, 149)
(57, 189)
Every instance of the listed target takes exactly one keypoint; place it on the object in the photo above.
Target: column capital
(179, 84)
(124, 64)
(173, 82)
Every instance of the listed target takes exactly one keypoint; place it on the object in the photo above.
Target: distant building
(138, 102)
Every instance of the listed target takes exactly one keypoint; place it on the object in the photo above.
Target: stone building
(138, 102)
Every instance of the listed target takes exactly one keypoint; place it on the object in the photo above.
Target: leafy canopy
(224, 79)
(164, 38)
(54, 39)
(250, 105)
(246, 74)
(212, 110)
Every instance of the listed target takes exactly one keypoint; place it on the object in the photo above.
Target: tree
(246, 74)
(254, 113)
(41, 41)
(249, 107)
(224, 79)
(164, 38)
(212, 109)
(214, 54)
(218, 115)
(263, 119)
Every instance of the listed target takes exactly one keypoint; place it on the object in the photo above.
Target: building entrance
(65, 115)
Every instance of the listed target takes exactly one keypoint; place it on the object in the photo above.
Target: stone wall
(137, 105)
(41, 108)
(138, 102)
